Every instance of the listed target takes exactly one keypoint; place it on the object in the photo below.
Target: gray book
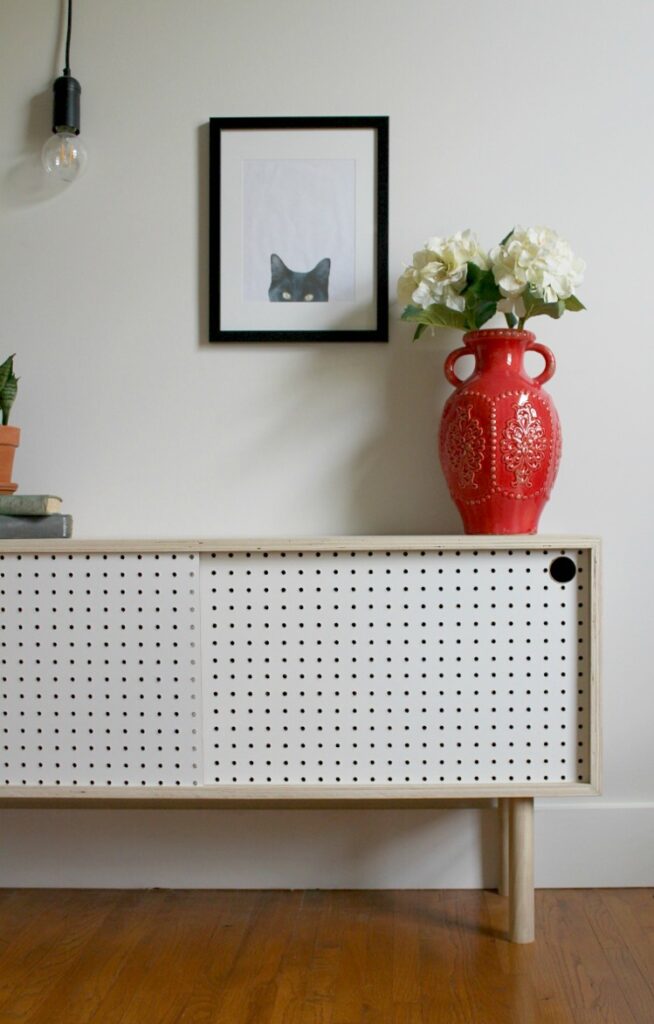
(33, 527)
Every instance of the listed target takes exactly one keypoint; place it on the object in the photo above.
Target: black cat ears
(278, 268)
(321, 269)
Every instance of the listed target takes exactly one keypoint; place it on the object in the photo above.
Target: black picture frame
(379, 125)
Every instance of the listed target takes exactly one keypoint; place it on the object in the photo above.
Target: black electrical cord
(70, 20)
(67, 90)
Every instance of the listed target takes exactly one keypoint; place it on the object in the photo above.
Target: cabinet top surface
(449, 542)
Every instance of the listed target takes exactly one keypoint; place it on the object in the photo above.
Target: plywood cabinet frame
(515, 799)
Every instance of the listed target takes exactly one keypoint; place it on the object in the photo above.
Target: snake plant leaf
(8, 396)
(573, 304)
(6, 369)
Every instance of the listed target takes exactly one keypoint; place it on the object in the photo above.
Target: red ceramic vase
(500, 438)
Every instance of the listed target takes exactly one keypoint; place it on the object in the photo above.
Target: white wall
(502, 111)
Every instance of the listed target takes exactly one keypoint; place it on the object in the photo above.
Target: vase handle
(550, 362)
(448, 369)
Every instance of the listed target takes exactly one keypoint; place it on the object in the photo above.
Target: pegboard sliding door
(100, 670)
(378, 667)
(311, 668)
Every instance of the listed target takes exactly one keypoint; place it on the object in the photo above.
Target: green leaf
(511, 320)
(536, 306)
(420, 329)
(436, 315)
(474, 273)
(483, 312)
(481, 295)
(506, 237)
(412, 313)
(6, 369)
(7, 397)
(481, 285)
(443, 316)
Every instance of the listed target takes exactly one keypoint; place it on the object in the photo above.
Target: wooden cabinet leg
(503, 815)
(521, 869)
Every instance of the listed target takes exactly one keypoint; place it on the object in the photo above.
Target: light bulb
(64, 156)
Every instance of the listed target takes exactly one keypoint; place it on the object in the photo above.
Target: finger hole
(563, 569)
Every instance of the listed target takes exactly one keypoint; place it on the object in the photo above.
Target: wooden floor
(161, 957)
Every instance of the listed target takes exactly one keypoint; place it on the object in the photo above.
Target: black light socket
(65, 113)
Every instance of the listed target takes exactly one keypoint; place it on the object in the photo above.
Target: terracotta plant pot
(500, 438)
(9, 441)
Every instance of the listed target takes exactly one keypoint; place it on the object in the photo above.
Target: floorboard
(332, 957)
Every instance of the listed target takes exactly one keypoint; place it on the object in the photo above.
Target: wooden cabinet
(349, 670)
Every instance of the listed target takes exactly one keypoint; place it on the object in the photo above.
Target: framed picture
(298, 229)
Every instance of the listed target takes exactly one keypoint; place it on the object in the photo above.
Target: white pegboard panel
(395, 667)
(100, 670)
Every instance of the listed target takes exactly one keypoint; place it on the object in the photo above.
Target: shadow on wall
(203, 233)
(395, 483)
(389, 477)
(251, 849)
(26, 182)
(392, 481)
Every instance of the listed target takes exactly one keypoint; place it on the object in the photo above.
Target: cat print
(295, 286)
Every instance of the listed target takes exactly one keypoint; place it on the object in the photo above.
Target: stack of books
(27, 516)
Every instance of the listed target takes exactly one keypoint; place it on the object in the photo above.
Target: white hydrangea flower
(439, 271)
(536, 257)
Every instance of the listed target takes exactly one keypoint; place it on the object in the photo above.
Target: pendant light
(63, 155)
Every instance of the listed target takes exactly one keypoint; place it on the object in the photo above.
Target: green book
(29, 504)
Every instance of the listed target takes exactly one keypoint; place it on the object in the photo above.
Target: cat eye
(286, 295)
(308, 298)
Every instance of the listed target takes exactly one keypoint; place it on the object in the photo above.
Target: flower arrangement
(453, 282)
